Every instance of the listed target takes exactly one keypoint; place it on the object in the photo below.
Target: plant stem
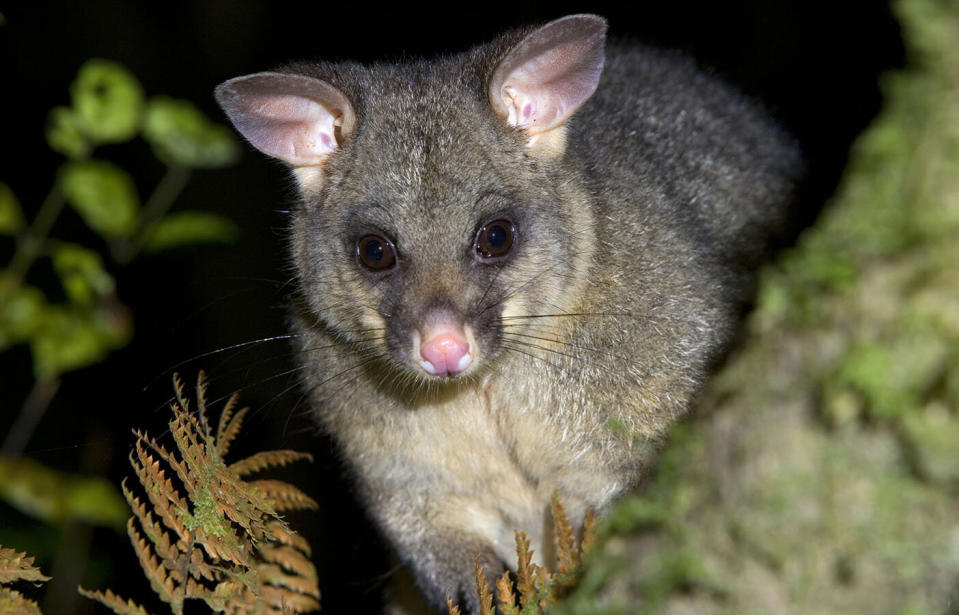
(160, 201)
(31, 412)
(31, 243)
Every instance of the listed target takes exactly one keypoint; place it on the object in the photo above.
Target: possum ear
(297, 119)
(544, 79)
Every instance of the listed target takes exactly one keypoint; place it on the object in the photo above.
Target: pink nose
(445, 353)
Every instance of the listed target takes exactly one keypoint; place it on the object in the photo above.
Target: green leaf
(64, 134)
(73, 338)
(22, 310)
(82, 274)
(108, 101)
(182, 135)
(103, 194)
(11, 216)
(54, 496)
(190, 227)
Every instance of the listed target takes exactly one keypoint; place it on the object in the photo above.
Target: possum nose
(445, 352)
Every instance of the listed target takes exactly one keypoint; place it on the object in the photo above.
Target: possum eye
(494, 239)
(375, 252)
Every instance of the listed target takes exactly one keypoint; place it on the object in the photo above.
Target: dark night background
(813, 64)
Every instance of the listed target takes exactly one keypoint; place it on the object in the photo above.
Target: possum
(515, 268)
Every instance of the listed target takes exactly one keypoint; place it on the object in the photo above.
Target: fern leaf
(590, 534)
(278, 598)
(275, 576)
(229, 430)
(525, 570)
(166, 500)
(175, 464)
(223, 542)
(277, 531)
(220, 548)
(159, 576)
(16, 566)
(284, 496)
(566, 553)
(181, 399)
(200, 569)
(289, 559)
(201, 402)
(114, 602)
(482, 590)
(153, 529)
(185, 431)
(15, 603)
(452, 608)
(505, 595)
(267, 459)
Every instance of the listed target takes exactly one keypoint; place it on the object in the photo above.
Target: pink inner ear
(550, 74)
(294, 129)
(291, 117)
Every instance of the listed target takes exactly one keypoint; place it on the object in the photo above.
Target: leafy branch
(108, 107)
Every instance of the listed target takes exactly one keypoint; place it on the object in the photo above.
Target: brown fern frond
(178, 387)
(267, 459)
(452, 608)
(161, 579)
(277, 531)
(278, 599)
(505, 595)
(199, 568)
(15, 603)
(167, 502)
(590, 534)
(223, 541)
(224, 548)
(114, 602)
(525, 570)
(483, 591)
(201, 402)
(566, 554)
(284, 496)
(229, 430)
(186, 432)
(151, 527)
(275, 576)
(16, 566)
(289, 558)
(535, 587)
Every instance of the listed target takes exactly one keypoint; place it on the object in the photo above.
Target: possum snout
(443, 345)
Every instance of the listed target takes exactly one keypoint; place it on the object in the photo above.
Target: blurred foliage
(822, 473)
(67, 310)
(108, 106)
(54, 496)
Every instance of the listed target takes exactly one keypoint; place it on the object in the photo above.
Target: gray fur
(635, 246)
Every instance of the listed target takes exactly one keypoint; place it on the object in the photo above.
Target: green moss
(822, 475)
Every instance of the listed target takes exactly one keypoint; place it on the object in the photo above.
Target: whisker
(569, 344)
(217, 351)
(564, 315)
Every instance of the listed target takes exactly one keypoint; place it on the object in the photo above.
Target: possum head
(440, 212)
